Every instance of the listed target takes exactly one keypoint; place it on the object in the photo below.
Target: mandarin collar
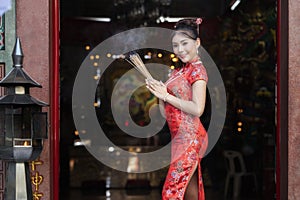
(195, 60)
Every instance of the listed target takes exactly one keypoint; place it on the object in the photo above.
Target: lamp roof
(16, 99)
(17, 76)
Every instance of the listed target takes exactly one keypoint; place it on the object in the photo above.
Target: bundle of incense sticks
(136, 61)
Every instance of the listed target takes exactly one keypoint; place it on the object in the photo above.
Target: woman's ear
(198, 42)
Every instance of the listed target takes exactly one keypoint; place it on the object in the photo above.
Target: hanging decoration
(2, 31)
(137, 11)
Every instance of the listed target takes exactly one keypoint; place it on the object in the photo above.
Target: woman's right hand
(157, 88)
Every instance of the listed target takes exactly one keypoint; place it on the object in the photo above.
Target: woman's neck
(195, 59)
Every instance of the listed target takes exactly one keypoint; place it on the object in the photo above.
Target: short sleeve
(198, 72)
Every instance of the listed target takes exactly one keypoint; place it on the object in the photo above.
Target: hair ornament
(198, 21)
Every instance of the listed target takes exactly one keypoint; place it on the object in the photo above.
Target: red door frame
(54, 97)
(282, 99)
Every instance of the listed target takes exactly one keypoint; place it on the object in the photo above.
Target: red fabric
(189, 138)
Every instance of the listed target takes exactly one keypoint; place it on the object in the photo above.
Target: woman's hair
(188, 27)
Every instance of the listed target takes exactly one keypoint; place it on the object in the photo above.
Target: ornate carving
(36, 179)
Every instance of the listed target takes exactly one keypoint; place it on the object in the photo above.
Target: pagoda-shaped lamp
(23, 127)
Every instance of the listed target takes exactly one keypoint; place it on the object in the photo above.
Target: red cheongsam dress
(189, 138)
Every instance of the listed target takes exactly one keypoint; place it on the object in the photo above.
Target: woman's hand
(157, 88)
(195, 106)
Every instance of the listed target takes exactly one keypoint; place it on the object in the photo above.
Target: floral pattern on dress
(189, 138)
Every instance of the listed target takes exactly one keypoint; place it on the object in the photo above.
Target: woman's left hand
(157, 88)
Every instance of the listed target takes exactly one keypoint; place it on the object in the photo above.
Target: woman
(182, 100)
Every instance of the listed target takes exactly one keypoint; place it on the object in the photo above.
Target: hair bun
(190, 26)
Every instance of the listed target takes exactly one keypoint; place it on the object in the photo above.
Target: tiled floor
(152, 194)
(115, 194)
(122, 194)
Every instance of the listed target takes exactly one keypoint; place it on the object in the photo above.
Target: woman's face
(184, 47)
